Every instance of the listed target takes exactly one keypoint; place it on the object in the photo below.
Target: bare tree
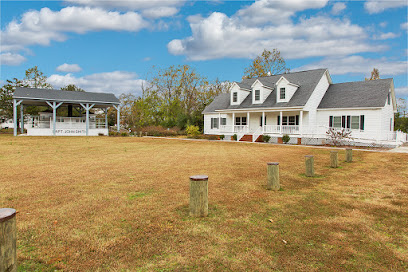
(268, 63)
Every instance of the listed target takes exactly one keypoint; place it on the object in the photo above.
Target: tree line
(174, 96)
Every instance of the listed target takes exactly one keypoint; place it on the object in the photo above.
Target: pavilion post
(54, 107)
(15, 104)
(87, 107)
(22, 117)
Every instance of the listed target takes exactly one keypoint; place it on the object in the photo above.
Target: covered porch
(50, 124)
(293, 122)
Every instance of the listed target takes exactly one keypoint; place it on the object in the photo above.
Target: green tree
(6, 96)
(73, 88)
(375, 74)
(268, 63)
(36, 79)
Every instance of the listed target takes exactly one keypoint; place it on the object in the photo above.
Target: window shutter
(343, 121)
(261, 121)
(330, 121)
(297, 120)
(348, 121)
(361, 122)
(265, 121)
(278, 120)
(212, 123)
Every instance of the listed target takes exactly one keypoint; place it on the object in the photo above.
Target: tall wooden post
(309, 163)
(334, 162)
(8, 240)
(273, 176)
(349, 155)
(199, 196)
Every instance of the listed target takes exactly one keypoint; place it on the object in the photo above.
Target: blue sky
(110, 46)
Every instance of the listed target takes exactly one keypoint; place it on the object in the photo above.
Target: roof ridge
(282, 74)
(361, 81)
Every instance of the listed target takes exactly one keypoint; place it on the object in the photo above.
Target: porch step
(259, 139)
(246, 138)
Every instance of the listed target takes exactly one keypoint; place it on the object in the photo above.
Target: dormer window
(257, 95)
(282, 93)
(235, 97)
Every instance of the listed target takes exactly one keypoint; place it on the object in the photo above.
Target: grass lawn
(121, 204)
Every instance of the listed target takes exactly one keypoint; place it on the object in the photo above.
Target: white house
(304, 105)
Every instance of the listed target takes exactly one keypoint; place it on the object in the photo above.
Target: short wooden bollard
(349, 155)
(309, 162)
(273, 176)
(334, 162)
(199, 196)
(8, 240)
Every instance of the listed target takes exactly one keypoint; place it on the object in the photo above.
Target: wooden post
(199, 196)
(273, 176)
(349, 155)
(8, 240)
(309, 162)
(334, 162)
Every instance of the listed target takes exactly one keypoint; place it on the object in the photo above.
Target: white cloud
(375, 6)
(11, 59)
(219, 36)
(274, 11)
(386, 36)
(150, 9)
(69, 68)
(401, 91)
(404, 25)
(359, 65)
(338, 7)
(116, 82)
(383, 24)
(42, 27)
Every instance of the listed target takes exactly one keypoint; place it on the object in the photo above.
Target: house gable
(259, 92)
(238, 94)
(285, 90)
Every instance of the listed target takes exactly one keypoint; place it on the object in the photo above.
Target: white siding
(316, 98)
(207, 122)
(372, 123)
(386, 115)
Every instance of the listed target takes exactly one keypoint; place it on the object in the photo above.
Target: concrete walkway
(401, 149)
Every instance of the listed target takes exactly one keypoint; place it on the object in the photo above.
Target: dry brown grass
(121, 204)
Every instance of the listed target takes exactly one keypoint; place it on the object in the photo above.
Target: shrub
(235, 137)
(101, 134)
(222, 137)
(338, 137)
(266, 138)
(158, 131)
(285, 139)
(192, 131)
(212, 137)
(113, 133)
(124, 134)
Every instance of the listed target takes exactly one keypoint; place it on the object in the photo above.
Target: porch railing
(281, 129)
(66, 122)
(234, 129)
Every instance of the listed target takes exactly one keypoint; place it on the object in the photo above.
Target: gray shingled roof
(361, 94)
(307, 80)
(64, 96)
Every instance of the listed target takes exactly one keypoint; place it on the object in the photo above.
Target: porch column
(281, 121)
(301, 123)
(263, 122)
(233, 122)
(118, 116)
(106, 118)
(248, 121)
(219, 121)
(22, 117)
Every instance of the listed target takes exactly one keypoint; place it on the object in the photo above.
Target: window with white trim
(214, 123)
(257, 95)
(234, 97)
(349, 122)
(223, 121)
(282, 93)
(240, 121)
